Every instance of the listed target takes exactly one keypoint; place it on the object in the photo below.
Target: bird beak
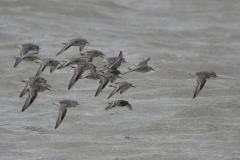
(133, 86)
(78, 104)
(49, 89)
(153, 69)
(88, 42)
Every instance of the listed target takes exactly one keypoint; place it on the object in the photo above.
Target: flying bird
(119, 103)
(141, 67)
(63, 105)
(47, 62)
(79, 69)
(74, 42)
(31, 81)
(201, 80)
(123, 86)
(39, 87)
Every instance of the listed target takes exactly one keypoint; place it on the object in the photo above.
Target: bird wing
(31, 97)
(23, 50)
(24, 91)
(43, 65)
(103, 82)
(115, 90)
(111, 105)
(94, 72)
(77, 73)
(61, 115)
(201, 80)
(129, 106)
(118, 61)
(18, 60)
(69, 44)
(81, 46)
(52, 68)
(144, 62)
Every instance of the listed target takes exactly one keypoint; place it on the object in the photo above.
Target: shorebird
(47, 62)
(39, 87)
(123, 86)
(201, 80)
(105, 78)
(141, 67)
(79, 69)
(74, 42)
(119, 103)
(31, 81)
(63, 105)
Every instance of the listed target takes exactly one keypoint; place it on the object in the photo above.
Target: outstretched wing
(31, 97)
(103, 82)
(61, 115)
(201, 80)
(69, 44)
(118, 61)
(111, 105)
(77, 73)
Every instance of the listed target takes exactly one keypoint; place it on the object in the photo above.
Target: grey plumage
(201, 80)
(26, 57)
(25, 48)
(91, 54)
(79, 69)
(31, 81)
(141, 67)
(47, 62)
(72, 61)
(123, 86)
(119, 103)
(74, 42)
(63, 105)
(39, 87)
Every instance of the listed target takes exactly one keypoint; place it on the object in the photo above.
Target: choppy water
(181, 37)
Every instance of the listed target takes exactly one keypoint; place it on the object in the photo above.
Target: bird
(31, 81)
(39, 87)
(105, 78)
(119, 103)
(74, 42)
(111, 60)
(63, 105)
(72, 61)
(123, 86)
(141, 67)
(201, 80)
(47, 62)
(26, 57)
(79, 69)
(24, 48)
(91, 54)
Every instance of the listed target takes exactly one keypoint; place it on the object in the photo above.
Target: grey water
(180, 37)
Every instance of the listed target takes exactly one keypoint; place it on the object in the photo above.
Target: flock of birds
(106, 73)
